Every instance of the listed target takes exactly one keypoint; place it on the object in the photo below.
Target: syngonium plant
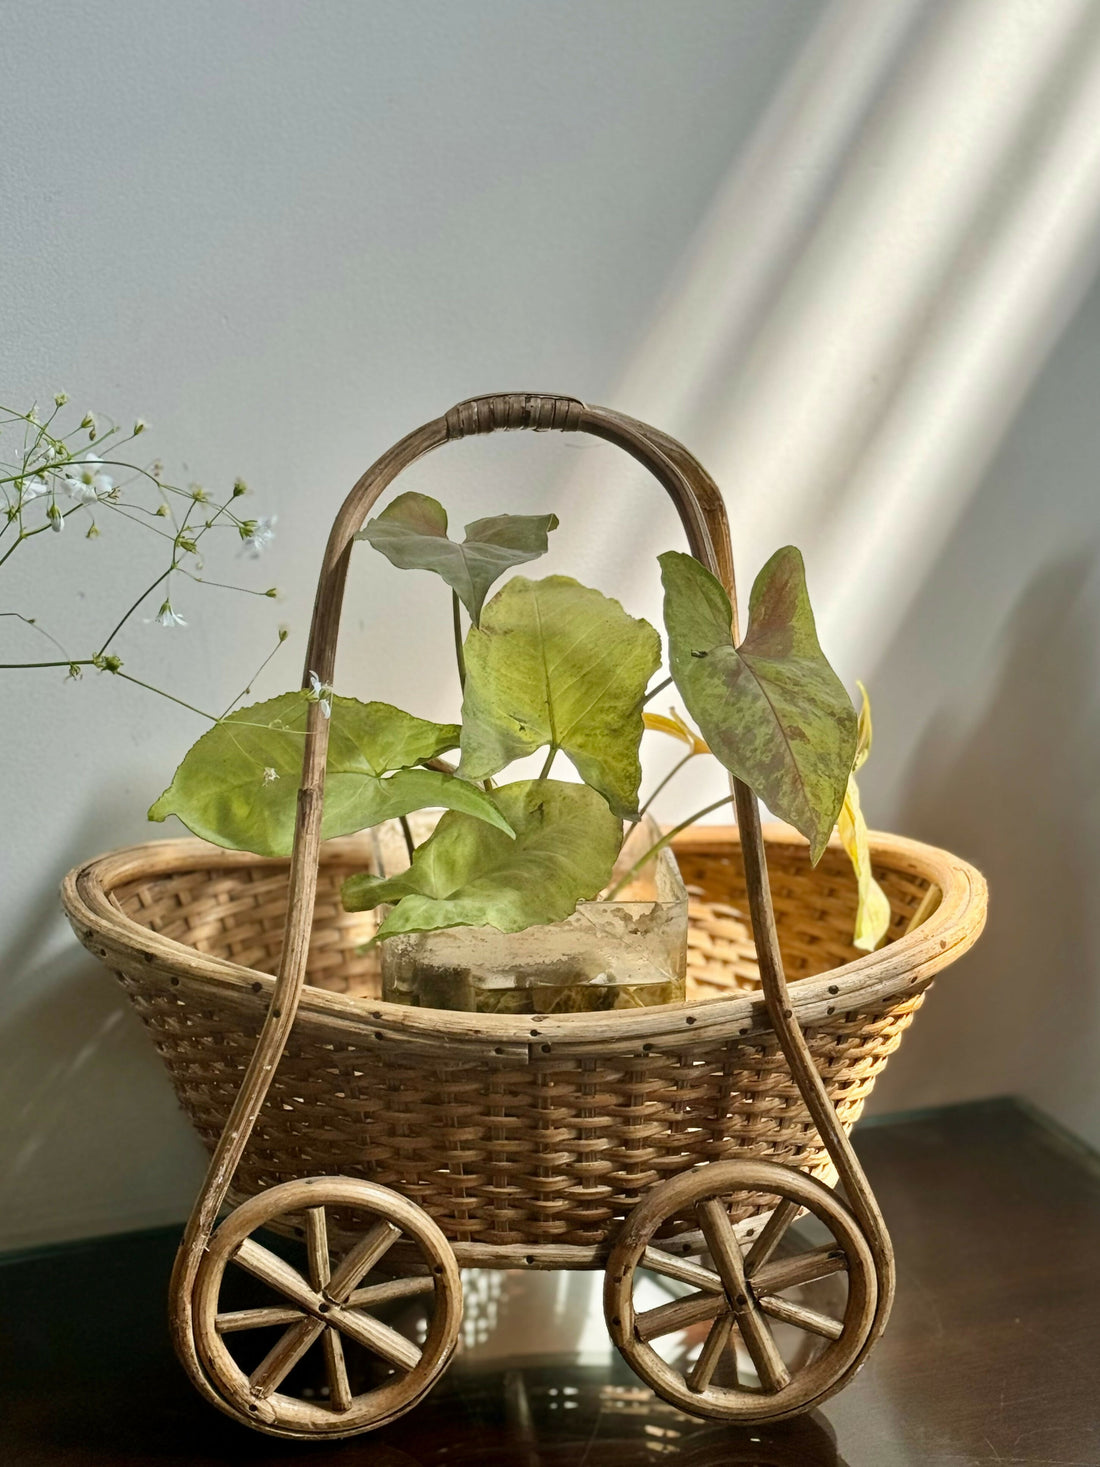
(545, 665)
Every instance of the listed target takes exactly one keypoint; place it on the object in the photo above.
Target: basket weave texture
(527, 1130)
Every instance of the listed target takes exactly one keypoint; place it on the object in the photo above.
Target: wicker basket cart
(403, 1144)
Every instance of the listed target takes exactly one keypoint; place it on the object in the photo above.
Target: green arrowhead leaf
(772, 710)
(469, 875)
(412, 533)
(555, 663)
(238, 785)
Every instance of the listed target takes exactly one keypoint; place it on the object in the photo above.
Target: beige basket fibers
(520, 1130)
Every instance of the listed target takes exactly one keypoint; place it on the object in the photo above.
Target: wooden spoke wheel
(737, 1292)
(328, 1308)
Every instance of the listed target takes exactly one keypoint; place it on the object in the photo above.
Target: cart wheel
(742, 1292)
(329, 1308)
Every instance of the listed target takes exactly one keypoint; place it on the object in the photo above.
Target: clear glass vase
(627, 953)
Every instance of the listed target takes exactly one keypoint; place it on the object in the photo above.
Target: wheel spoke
(284, 1355)
(714, 1346)
(271, 1270)
(804, 1268)
(339, 1389)
(808, 1319)
(373, 1295)
(679, 1314)
(755, 1331)
(317, 1247)
(238, 1319)
(771, 1235)
(684, 1269)
(375, 1336)
(362, 1258)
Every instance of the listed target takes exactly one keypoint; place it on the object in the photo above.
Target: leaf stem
(673, 771)
(671, 835)
(456, 616)
(552, 754)
(406, 831)
(652, 692)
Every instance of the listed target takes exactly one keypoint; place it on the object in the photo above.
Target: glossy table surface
(992, 1354)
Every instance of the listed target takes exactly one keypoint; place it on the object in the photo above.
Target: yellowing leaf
(676, 727)
(863, 729)
(873, 905)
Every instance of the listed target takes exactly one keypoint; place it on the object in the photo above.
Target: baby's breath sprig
(49, 475)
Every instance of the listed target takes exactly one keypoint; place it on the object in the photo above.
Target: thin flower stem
(30, 621)
(147, 592)
(245, 690)
(221, 585)
(170, 696)
(640, 864)
(68, 662)
(456, 617)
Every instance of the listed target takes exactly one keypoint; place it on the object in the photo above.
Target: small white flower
(34, 488)
(320, 692)
(260, 536)
(270, 775)
(166, 617)
(86, 481)
(56, 518)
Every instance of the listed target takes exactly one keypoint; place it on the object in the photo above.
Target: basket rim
(902, 966)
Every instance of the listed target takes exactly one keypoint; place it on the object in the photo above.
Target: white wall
(988, 742)
(286, 233)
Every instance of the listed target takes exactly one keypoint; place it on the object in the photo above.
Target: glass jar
(630, 952)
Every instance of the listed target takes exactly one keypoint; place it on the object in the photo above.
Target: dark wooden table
(992, 1354)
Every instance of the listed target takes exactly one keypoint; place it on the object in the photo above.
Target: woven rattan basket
(519, 1130)
(421, 1140)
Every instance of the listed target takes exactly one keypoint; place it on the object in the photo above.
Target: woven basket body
(520, 1131)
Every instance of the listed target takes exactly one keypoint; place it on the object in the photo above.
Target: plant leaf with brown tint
(873, 905)
(412, 534)
(772, 710)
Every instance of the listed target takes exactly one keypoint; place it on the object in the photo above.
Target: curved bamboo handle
(702, 513)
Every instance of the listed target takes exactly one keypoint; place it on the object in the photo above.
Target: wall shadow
(1015, 793)
(92, 1139)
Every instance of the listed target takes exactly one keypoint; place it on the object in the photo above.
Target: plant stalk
(456, 616)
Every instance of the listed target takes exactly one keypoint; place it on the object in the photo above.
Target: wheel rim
(740, 1293)
(326, 1306)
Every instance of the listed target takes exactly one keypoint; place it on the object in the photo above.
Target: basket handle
(702, 513)
(693, 491)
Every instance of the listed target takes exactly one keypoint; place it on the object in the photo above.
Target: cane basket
(521, 1131)
(420, 1140)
